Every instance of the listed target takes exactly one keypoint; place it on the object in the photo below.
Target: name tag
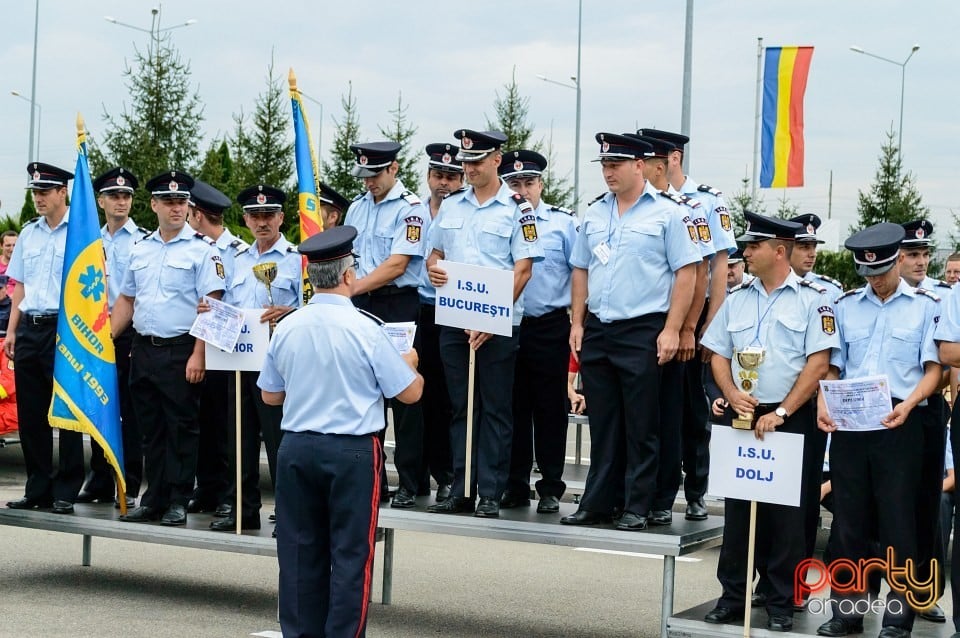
(602, 252)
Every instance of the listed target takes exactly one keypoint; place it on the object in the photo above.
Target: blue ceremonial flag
(85, 369)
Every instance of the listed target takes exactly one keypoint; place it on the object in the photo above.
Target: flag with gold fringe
(308, 177)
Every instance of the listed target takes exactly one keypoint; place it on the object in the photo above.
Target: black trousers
(400, 304)
(437, 461)
(167, 407)
(695, 431)
(929, 542)
(782, 525)
(33, 372)
(492, 414)
(100, 480)
(214, 454)
(955, 563)
(669, 434)
(875, 476)
(540, 404)
(621, 382)
(328, 488)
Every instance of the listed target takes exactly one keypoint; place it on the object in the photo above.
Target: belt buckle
(37, 319)
(153, 341)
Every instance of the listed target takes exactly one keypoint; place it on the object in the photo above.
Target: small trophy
(749, 360)
(266, 273)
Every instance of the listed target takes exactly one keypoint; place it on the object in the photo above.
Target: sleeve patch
(528, 224)
(724, 218)
(703, 229)
(414, 225)
(220, 272)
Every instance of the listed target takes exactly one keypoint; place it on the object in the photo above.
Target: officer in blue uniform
(37, 267)
(115, 190)
(805, 255)
(875, 474)
(330, 459)
(170, 270)
(333, 205)
(485, 224)
(540, 381)
(391, 225)
(633, 279)
(263, 214)
(791, 322)
(444, 176)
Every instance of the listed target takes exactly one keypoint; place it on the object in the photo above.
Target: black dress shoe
(548, 505)
(403, 499)
(29, 503)
(840, 627)
(722, 615)
(934, 614)
(273, 517)
(142, 514)
(197, 506)
(131, 502)
(894, 632)
(509, 500)
(696, 511)
(585, 517)
(229, 524)
(632, 522)
(62, 507)
(660, 517)
(780, 622)
(443, 492)
(223, 510)
(452, 505)
(488, 507)
(175, 515)
(93, 497)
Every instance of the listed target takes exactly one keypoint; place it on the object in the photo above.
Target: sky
(450, 59)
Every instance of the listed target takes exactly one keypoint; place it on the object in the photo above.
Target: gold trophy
(749, 360)
(266, 273)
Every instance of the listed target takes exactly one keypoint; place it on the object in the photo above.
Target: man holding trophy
(772, 341)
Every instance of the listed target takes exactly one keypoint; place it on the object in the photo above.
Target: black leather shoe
(509, 500)
(131, 503)
(894, 632)
(632, 522)
(29, 503)
(229, 524)
(273, 517)
(93, 497)
(780, 622)
(759, 599)
(443, 493)
(403, 499)
(660, 517)
(696, 511)
(840, 627)
(452, 505)
(584, 517)
(548, 505)
(142, 514)
(934, 614)
(197, 506)
(488, 507)
(175, 515)
(223, 510)
(722, 615)
(62, 507)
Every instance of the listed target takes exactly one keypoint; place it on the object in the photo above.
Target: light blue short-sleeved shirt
(496, 234)
(167, 279)
(646, 245)
(718, 217)
(397, 225)
(549, 287)
(37, 263)
(695, 217)
(428, 294)
(228, 245)
(793, 322)
(362, 366)
(895, 337)
(940, 288)
(245, 291)
(117, 249)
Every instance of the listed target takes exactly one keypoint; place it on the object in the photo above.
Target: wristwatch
(781, 412)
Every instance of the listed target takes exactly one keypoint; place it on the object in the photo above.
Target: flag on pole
(308, 177)
(85, 370)
(781, 144)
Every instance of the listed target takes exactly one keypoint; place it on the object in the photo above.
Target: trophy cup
(266, 273)
(749, 360)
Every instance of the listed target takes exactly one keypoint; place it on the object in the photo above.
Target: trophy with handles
(748, 360)
(266, 273)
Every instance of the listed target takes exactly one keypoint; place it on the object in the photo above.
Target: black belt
(161, 342)
(386, 291)
(38, 320)
(553, 314)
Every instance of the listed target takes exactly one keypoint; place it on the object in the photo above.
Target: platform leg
(666, 602)
(387, 595)
(579, 451)
(87, 544)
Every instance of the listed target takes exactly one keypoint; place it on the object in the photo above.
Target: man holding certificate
(887, 338)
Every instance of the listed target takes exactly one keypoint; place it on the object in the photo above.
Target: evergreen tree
(785, 208)
(217, 170)
(29, 211)
(159, 129)
(402, 131)
(893, 196)
(336, 172)
(840, 266)
(741, 201)
(557, 190)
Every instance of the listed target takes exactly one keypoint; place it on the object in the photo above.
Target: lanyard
(760, 318)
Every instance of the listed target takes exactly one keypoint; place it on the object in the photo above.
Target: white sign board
(767, 471)
(476, 298)
(251, 348)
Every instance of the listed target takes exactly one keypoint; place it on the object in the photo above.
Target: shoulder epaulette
(681, 199)
(459, 190)
(924, 291)
(237, 242)
(522, 203)
(242, 251)
(739, 286)
(205, 238)
(359, 195)
(143, 230)
(812, 286)
(371, 316)
(597, 198)
(561, 209)
(292, 249)
(703, 188)
(33, 221)
(829, 280)
(145, 236)
(849, 293)
(943, 284)
(410, 198)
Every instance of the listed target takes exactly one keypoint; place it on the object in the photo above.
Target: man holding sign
(886, 328)
(771, 340)
(484, 224)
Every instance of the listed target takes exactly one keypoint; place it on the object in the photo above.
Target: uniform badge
(220, 272)
(173, 186)
(869, 256)
(120, 180)
(363, 160)
(446, 159)
(528, 225)
(811, 229)
(466, 143)
(261, 199)
(828, 322)
(605, 147)
(518, 166)
(920, 233)
(703, 230)
(36, 176)
(414, 226)
(724, 218)
(691, 230)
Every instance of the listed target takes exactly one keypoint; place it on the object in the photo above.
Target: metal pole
(33, 81)
(903, 80)
(320, 137)
(576, 146)
(39, 124)
(687, 81)
(756, 126)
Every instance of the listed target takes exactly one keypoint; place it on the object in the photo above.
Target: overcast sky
(448, 59)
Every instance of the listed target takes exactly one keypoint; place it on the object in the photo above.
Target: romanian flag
(85, 370)
(308, 177)
(781, 144)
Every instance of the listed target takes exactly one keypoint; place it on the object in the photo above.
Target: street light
(319, 128)
(903, 77)
(33, 103)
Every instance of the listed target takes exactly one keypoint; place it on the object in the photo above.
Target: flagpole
(756, 124)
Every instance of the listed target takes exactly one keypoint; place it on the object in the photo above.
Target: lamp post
(34, 149)
(903, 77)
(319, 128)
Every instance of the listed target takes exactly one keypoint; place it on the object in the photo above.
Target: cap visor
(362, 171)
(873, 271)
(472, 157)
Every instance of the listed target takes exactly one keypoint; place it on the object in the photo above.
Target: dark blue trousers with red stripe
(328, 491)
